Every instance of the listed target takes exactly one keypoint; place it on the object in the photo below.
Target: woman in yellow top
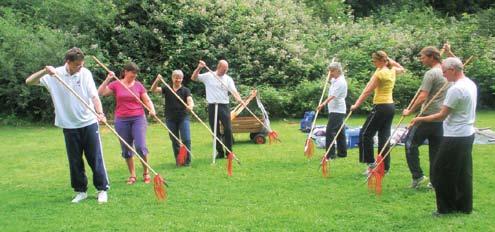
(380, 119)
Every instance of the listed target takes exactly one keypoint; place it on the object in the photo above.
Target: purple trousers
(133, 131)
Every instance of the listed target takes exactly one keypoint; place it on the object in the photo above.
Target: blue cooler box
(352, 136)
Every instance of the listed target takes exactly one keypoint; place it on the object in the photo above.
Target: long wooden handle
(197, 117)
(317, 111)
(106, 124)
(247, 108)
(336, 135)
(142, 103)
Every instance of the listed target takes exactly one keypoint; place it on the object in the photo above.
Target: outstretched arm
(195, 74)
(34, 79)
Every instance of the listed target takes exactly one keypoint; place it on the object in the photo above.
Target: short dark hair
(74, 54)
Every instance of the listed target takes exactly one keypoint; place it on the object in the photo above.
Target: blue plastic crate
(352, 136)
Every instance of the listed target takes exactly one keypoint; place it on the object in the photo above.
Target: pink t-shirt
(127, 105)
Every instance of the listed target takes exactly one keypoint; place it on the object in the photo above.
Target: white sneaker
(79, 197)
(102, 197)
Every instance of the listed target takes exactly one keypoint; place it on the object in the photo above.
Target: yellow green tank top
(386, 82)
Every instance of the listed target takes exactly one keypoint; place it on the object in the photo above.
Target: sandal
(131, 180)
(146, 178)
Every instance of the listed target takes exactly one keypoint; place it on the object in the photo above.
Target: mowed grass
(275, 189)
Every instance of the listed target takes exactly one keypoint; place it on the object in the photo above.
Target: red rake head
(309, 148)
(230, 157)
(182, 156)
(159, 186)
(380, 169)
(273, 137)
(376, 176)
(324, 167)
(375, 182)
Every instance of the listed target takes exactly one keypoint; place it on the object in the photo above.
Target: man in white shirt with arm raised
(217, 96)
(79, 124)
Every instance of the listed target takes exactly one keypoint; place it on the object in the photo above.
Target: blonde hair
(177, 72)
(381, 56)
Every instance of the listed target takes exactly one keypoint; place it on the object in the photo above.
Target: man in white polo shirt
(453, 167)
(217, 96)
(79, 124)
(336, 111)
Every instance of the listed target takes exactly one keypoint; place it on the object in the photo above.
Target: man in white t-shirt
(79, 124)
(336, 111)
(453, 167)
(218, 85)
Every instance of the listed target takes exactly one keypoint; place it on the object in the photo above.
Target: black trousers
(433, 131)
(453, 171)
(335, 121)
(85, 140)
(379, 120)
(224, 118)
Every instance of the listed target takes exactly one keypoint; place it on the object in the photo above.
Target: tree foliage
(280, 47)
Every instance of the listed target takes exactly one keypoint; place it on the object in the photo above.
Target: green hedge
(280, 47)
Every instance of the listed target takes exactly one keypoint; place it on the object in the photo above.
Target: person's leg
(341, 139)
(173, 126)
(434, 141)
(224, 118)
(139, 126)
(444, 172)
(368, 130)
(386, 113)
(94, 156)
(185, 135)
(73, 145)
(415, 137)
(464, 201)
(211, 120)
(331, 131)
(123, 128)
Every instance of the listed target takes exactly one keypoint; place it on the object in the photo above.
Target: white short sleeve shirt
(461, 99)
(338, 89)
(70, 113)
(217, 92)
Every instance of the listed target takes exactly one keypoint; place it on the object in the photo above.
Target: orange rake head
(182, 156)
(273, 137)
(230, 157)
(376, 176)
(309, 148)
(159, 186)
(324, 167)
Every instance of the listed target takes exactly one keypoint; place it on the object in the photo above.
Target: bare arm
(98, 108)
(190, 103)
(103, 90)
(370, 87)
(195, 74)
(397, 67)
(147, 101)
(34, 79)
(440, 116)
(328, 100)
(154, 87)
(447, 50)
(419, 100)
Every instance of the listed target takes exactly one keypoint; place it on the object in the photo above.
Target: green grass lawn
(276, 188)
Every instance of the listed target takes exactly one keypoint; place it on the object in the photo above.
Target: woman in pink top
(130, 120)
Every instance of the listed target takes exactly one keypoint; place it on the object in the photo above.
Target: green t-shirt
(432, 82)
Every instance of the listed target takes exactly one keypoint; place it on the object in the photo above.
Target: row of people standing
(80, 126)
(446, 120)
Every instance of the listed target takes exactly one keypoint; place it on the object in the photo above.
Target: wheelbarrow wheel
(259, 139)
